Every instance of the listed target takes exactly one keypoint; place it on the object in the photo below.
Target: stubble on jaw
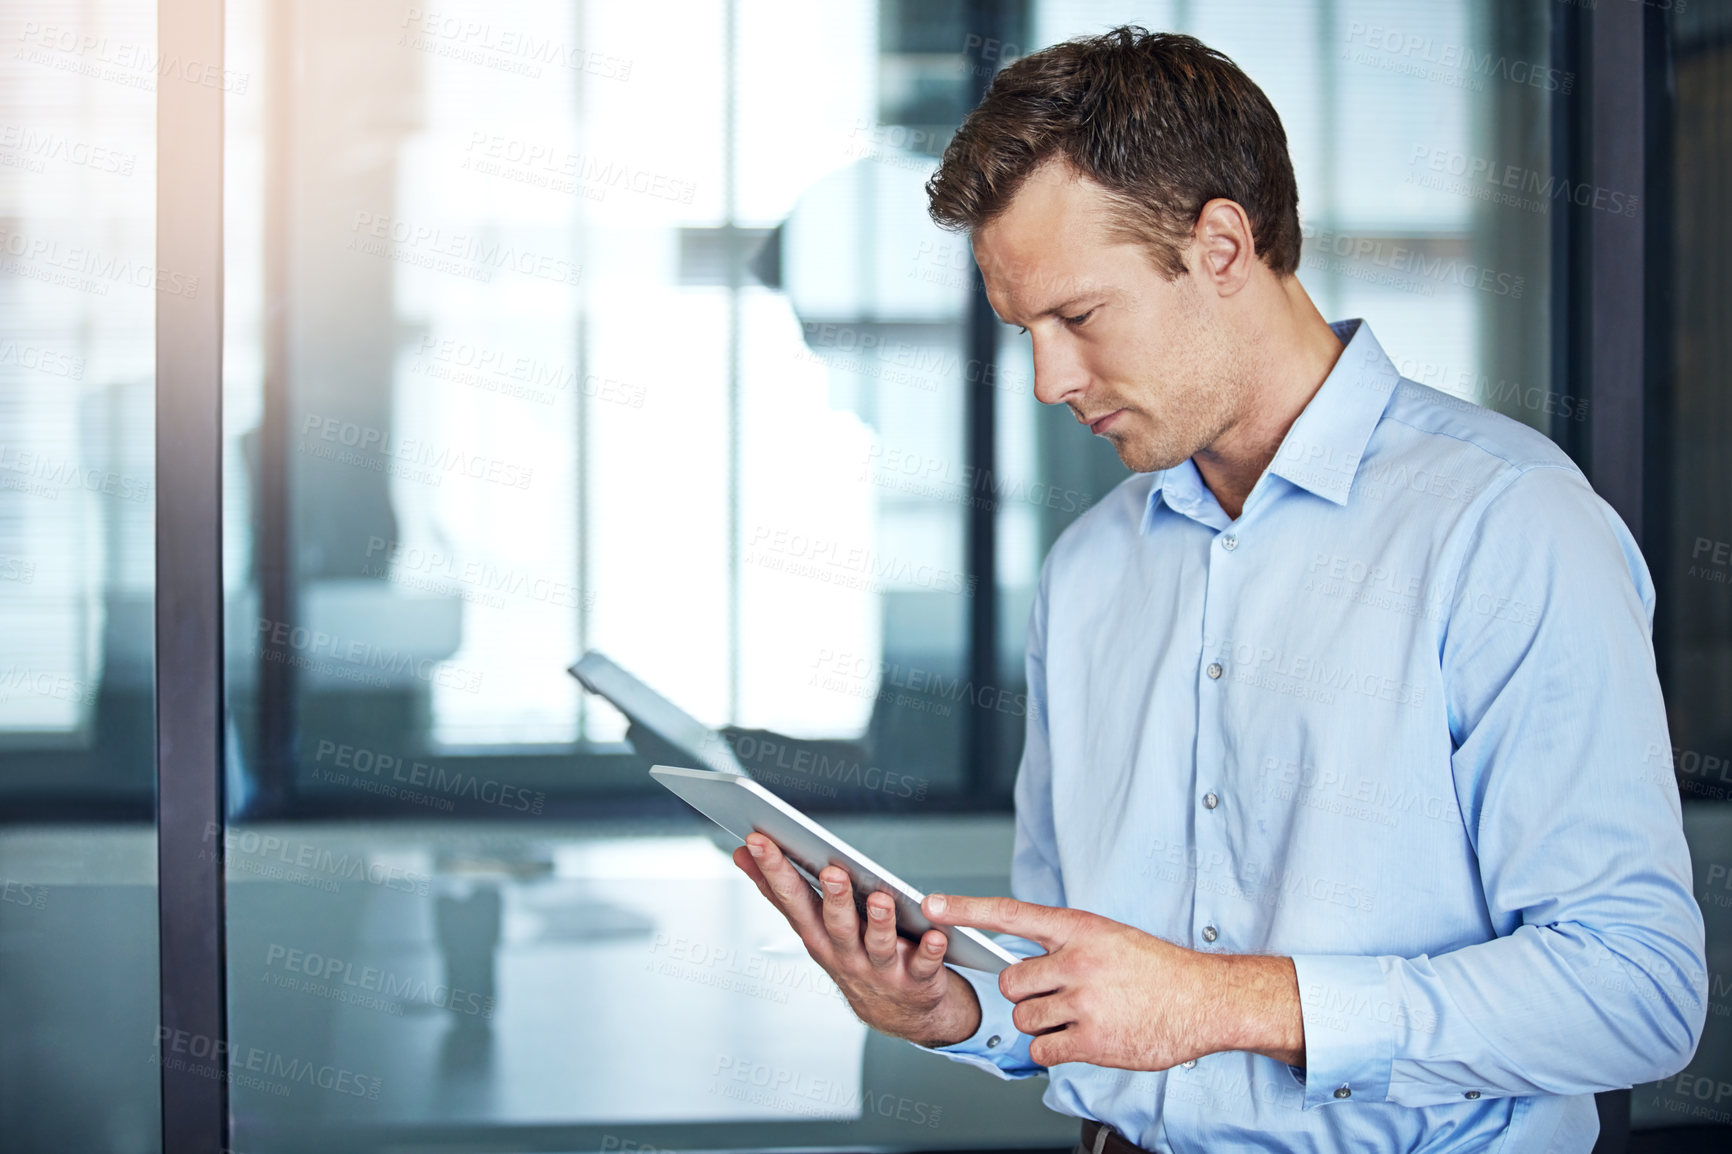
(1211, 402)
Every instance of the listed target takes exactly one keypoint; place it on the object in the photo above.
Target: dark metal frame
(193, 1025)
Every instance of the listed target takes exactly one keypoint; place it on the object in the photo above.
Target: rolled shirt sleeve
(1597, 977)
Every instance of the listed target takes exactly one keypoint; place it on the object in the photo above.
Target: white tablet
(644, 706)
(740, 805)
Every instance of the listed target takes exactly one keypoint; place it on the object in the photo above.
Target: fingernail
(935, 903)
(755, 849)
(832, 888)
(878, 914)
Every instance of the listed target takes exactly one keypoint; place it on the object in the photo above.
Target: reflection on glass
(548, 330)
(78, 286)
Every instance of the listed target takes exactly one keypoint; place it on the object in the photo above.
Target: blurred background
(556, 326)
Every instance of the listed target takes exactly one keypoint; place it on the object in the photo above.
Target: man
(1333, 826)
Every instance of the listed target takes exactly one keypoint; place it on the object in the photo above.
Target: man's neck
(1298, 351)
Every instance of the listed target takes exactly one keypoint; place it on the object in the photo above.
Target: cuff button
(993, 1041)
(1343, 1092)
(1471, 1094)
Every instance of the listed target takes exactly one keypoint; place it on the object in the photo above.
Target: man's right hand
(896, 986)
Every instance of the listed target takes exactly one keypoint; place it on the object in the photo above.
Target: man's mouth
(1101, 424)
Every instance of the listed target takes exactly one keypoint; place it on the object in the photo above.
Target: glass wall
(1689, 474)
(564, 326)
(78, 284)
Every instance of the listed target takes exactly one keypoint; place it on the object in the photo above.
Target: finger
(1042, 1015)
(1047, 925)
(743, 859)
(1032, 977)
(927, 956)
(1055, 1049)
(841, 920)
(788, 890)
(881, 936)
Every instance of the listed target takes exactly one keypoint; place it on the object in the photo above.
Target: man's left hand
(1111, 995)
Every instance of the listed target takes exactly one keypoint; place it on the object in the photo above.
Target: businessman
(1334, 825)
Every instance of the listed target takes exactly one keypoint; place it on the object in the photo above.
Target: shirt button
(1210, 801)
(1189, 1065)
(1214, 671)
(1471, 1094)
(1229, 542)
(1343, 1092)
(1210, 933)
(993, 1041)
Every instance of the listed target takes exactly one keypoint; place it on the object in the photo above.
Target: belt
(1099, 1138)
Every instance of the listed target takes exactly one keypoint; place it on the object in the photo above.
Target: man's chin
(1143, 458)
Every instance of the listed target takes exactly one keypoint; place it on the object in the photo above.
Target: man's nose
(1058, 374)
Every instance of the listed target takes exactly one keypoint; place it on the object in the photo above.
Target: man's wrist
(1259, 1009)
(961, 1012)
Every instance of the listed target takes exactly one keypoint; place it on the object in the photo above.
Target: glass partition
(79, 281)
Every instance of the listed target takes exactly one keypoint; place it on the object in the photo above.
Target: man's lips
(1101, 424)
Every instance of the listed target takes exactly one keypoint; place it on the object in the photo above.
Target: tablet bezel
(740, 805)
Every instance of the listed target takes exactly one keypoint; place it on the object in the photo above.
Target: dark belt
(1099, 1138)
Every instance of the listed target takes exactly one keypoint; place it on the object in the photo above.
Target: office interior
(472, 337)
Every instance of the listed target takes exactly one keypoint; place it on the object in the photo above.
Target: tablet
(649, 709)
(740, 805)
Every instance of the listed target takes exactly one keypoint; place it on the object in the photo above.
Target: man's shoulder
(1418, 415)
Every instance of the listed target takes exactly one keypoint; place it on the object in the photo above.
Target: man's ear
(1224, 245)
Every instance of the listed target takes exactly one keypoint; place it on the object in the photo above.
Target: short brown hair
(1162, 121)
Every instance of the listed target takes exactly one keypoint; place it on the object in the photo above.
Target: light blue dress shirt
(1400, 721)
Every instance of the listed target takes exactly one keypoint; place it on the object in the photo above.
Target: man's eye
(1023, 329)
(1074, 321)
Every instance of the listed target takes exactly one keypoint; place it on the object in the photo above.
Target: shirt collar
(1322, 450)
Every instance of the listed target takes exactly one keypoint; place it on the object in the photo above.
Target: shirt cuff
(1350, 1021)
(996, 1047)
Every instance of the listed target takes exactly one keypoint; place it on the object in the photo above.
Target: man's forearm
(1259, 1009)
